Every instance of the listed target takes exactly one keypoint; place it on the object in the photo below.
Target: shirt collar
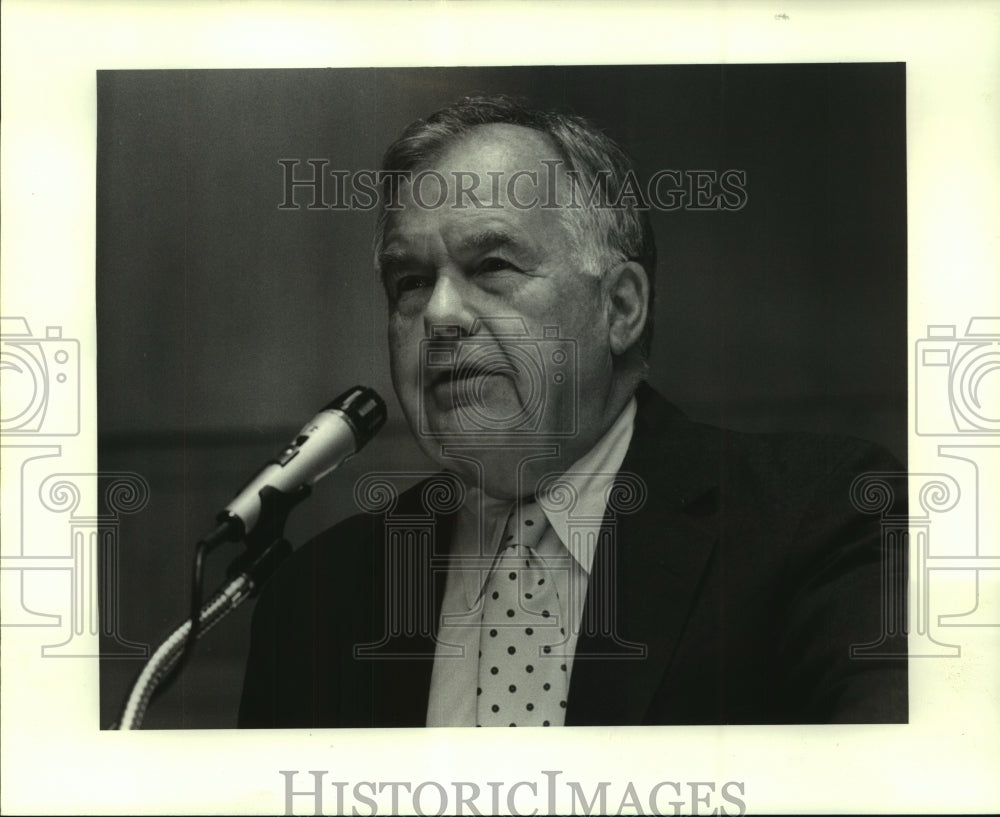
(588, 479)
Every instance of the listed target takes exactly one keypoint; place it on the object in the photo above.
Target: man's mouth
(474, 371)
(465, 383)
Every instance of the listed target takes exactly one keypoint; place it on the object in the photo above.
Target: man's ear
(627, 299)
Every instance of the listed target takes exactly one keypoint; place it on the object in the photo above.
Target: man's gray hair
(598, 163)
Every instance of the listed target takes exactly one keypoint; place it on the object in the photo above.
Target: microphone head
(363, 410)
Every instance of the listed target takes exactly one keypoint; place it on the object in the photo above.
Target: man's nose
(449, 304)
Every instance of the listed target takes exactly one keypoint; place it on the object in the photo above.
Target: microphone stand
(266, 548)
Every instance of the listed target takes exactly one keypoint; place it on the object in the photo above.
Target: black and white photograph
(373, 374)
(663, 305)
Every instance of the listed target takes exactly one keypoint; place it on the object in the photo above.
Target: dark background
(225, 323)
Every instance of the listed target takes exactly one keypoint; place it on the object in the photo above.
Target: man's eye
(408, 283)
(494, 265)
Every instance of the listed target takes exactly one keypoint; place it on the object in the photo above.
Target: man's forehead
(503, 145)
(489, 158)
(505, 171)
(492, 186)
(468, 232)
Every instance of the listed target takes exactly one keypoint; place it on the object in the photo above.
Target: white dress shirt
(567, 547)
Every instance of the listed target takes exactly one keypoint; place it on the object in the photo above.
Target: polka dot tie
(522, 671)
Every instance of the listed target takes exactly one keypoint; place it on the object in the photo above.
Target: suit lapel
(401, 666)
(647, 567)
(647, 572)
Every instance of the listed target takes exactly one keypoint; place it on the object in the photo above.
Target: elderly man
(600, 559)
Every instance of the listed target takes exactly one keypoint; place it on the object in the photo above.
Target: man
(601, 559)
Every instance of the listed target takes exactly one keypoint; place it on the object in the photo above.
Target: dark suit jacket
(733, 595)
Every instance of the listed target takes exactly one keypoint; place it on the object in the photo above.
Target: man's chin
(462, 426)
(494, 466)
(493, 460)
(448, 428)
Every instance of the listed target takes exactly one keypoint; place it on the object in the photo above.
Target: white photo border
(56, 760)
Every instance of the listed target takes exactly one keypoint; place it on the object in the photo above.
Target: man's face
(462, 282)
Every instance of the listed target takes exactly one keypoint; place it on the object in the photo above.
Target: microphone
(338, 432)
